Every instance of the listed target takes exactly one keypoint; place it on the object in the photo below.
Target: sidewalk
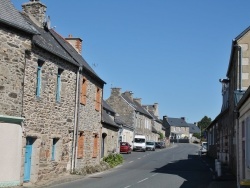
(226, 180)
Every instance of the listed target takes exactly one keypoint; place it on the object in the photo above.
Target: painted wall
(10, 154)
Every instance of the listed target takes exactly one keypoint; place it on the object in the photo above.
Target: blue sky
(170, 52)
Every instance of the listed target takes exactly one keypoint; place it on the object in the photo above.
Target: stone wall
(45, 118)
(110, 139)
(90, 124)
(12, 67)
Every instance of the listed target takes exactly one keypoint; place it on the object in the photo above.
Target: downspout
(240, 64)
(76, 115)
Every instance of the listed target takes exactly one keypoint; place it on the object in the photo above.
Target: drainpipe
(76, 115)
(240, 65)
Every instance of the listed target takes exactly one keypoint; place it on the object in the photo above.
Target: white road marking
(139, 158)
(130, 161)
(154, 174)
(142, 180)
(128, 186)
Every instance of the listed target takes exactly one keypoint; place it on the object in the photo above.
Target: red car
(125, 147)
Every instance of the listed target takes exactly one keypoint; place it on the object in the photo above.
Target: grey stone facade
(13, 44)
(52, 125)
(90, 125)
(45, 118)
(132, 112)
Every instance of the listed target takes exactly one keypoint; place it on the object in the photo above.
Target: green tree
(203, 124)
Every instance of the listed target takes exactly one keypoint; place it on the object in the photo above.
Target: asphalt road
(175, 167)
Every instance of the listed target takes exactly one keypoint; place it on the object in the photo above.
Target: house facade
(132, 112)
(110, 131)
(42, 84)
(222, 131)
(176, 128)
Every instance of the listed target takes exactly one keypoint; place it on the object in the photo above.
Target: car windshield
(139, 140)
(123, 144)
(150, 143)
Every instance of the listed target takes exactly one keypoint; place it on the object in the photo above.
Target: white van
(139, 143)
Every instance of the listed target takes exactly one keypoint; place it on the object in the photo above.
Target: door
(27, 162)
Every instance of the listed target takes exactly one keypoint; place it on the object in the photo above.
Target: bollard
(218, 168)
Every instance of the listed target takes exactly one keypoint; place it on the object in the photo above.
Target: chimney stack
(138, 100)
(75, 42)
(115, 91)
(129, 94)
(37, 10)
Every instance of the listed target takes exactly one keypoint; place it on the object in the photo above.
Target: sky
(170, 52)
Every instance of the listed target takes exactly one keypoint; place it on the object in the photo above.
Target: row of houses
(229, 133)
(53, 119)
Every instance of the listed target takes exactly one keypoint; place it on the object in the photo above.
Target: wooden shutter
(84, 91)
(98, 99)
(80, 146)
(95, 149)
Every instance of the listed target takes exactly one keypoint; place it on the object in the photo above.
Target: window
(98, 99)
(95, 149)
(53, 153)
(80, 146)
(58, 86)
(39, 78)
(83, 91)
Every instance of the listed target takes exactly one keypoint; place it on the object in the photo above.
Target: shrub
(113, 159)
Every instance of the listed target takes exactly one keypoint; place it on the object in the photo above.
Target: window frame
(39, 77)
(80, 146)
(58, 85)
(83, 94)
(98, 99)
(53, 149)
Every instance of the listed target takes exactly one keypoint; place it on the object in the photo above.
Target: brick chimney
(75, 42)
(183, 118)
(37, 10)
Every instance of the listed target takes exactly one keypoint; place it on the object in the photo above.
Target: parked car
(125, 147)
(150, 145)
(160, 145)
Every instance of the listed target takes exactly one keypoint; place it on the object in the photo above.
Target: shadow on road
(193, 170)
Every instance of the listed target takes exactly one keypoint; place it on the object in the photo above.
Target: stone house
(15, 44)
(243, 138)
(110, 131)
(157, 127)
(132, 112)
(45, 98)
(224, 128)
(176, 128)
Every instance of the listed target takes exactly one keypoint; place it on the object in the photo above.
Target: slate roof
(154, 117)
(193, 128)
(136, 106)
(106, 106)
(75, 55)
(108, 120)
(142, 110)
(121, 122)
(46, 41)
(177, 122)
(11, 16)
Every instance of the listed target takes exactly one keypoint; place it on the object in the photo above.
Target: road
(175, 167)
